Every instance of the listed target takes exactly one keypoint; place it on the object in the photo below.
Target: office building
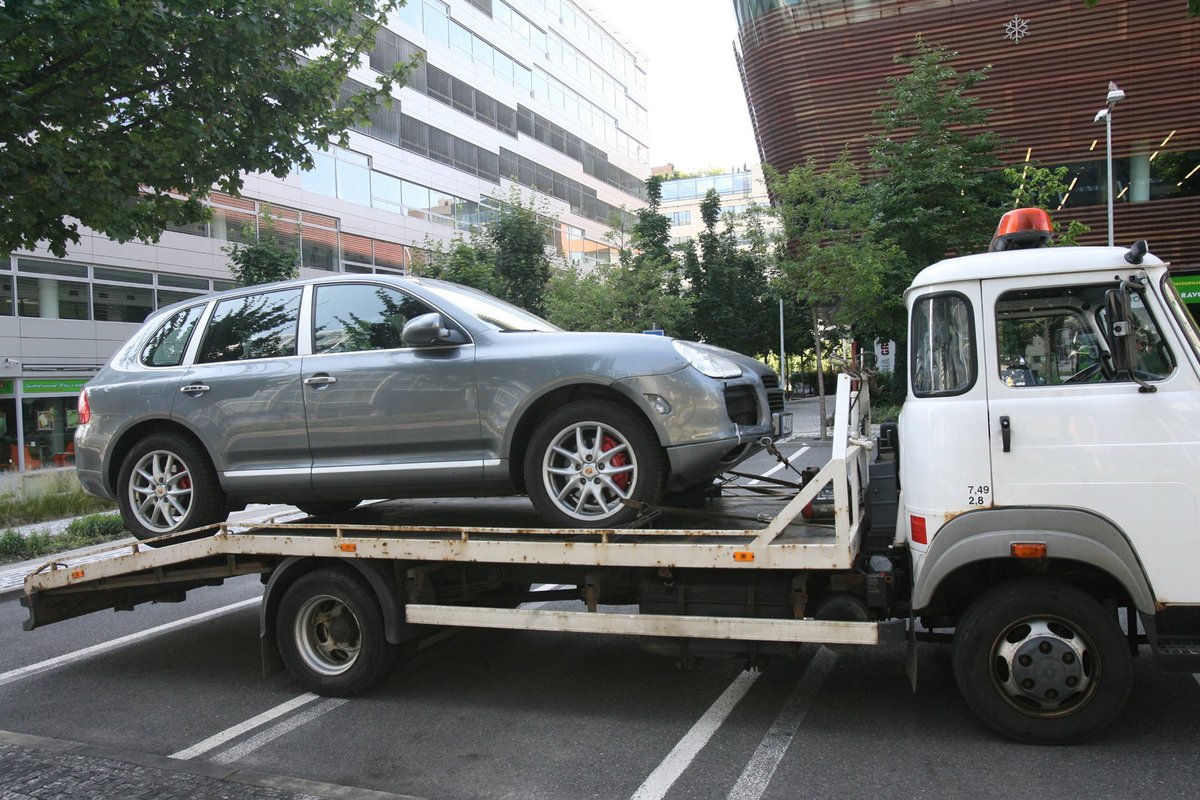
(536, 95)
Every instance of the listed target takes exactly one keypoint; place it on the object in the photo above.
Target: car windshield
(491, 311)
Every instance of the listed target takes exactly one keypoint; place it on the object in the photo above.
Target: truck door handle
(1006, 434)
(193, 388)
(320, 380)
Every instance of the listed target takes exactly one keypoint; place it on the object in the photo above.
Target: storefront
(38, 417)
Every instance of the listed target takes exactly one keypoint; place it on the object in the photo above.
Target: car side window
(166, 347)
(350, 318)
(942, 343)
(253, 326)
(1053, 336)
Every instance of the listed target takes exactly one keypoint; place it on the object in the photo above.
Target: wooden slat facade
(813, 72)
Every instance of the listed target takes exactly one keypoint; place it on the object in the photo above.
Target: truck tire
(329, 630)
(167, 484)
(1042, 662)
(585, 457)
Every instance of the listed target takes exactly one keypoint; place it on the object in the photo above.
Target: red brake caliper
(619, 460)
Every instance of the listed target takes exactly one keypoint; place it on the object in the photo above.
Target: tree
(123, 115)
(1045, 188)
(266, 257)
(939, 182)
(834, 257)
(507, 256)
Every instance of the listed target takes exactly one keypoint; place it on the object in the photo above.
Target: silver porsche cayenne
(325, 392)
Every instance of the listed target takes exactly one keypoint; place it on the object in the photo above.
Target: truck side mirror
(1119, 328)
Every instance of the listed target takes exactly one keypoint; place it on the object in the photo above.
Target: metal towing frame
(137, 573)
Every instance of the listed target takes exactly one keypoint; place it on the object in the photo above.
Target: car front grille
(774, 392)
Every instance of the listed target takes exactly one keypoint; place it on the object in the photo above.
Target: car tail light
(85, 411)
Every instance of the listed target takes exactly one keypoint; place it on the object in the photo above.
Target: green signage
(53, 385)
(1188, 286)
(6, 387)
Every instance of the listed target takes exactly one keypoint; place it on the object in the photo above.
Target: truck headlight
(713, 366)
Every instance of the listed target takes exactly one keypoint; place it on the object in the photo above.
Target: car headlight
(713, 366)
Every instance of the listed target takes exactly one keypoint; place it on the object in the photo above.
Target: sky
(698, 116)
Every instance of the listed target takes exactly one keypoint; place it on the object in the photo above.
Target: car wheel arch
(129, 438)
(536, 409)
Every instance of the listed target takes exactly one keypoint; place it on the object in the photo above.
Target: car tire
(320, 508)
(1042, 662)
(167, 484)
(330, 633)
(588, 455)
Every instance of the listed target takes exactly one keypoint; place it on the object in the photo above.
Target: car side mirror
(429, 329)
(1119, 329)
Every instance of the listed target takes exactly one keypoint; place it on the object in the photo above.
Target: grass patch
(82, 532)
(16, 511)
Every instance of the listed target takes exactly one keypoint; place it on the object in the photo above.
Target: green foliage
(123, 115)
(94, 529)
(266, 258)
(733, 305)
(1035, 186)
(835, 259)
(939, 183)
(506, 257)
(16, 510)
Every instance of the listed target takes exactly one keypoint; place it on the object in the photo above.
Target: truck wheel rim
(1045, 667)
(327, 635)
(588, 469)
(160, 491)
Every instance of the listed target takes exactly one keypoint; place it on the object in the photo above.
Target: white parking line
(664, 776)
(1196, 675)
(274, 732)
(104, 647)
(218, 739)
(780, 465)
(758, 772)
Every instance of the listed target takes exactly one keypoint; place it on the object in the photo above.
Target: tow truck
(1038, 497)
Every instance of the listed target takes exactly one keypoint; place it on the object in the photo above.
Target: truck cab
(1050, 442)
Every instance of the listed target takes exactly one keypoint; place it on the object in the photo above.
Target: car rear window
(168, 344)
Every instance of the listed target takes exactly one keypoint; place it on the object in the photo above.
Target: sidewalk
(45, 769)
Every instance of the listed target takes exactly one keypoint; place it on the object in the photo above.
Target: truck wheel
(1042, 662)
(585, 458)
(330, 633)
(167, 484)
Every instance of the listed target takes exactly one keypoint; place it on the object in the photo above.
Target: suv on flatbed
(324, 392)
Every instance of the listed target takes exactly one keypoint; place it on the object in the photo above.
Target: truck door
(1068, 431)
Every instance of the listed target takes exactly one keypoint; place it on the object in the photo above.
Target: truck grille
(774, 392)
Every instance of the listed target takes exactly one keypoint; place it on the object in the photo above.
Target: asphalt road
(505, 714)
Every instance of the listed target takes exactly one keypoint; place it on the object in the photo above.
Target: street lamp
(1115, 95)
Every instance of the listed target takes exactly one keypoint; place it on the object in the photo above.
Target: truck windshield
(1187, 323)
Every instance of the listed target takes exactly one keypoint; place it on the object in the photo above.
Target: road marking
(780, 465)
(218, 739)
(664, 776)
(104, 647)
(752, 783)
(1196, 675)
(274, 732)
(545, 587)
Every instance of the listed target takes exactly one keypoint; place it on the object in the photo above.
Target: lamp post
(1115, 95)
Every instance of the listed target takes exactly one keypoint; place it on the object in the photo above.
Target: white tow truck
(1044, 508)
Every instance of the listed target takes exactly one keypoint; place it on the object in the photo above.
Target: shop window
(49, 431)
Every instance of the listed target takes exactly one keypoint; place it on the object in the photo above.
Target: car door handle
(320, 380)
(193, 388)
(1006, 434)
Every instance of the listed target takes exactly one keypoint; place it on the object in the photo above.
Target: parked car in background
(324, 392)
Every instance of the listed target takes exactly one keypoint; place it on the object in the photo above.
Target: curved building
(813, 70)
